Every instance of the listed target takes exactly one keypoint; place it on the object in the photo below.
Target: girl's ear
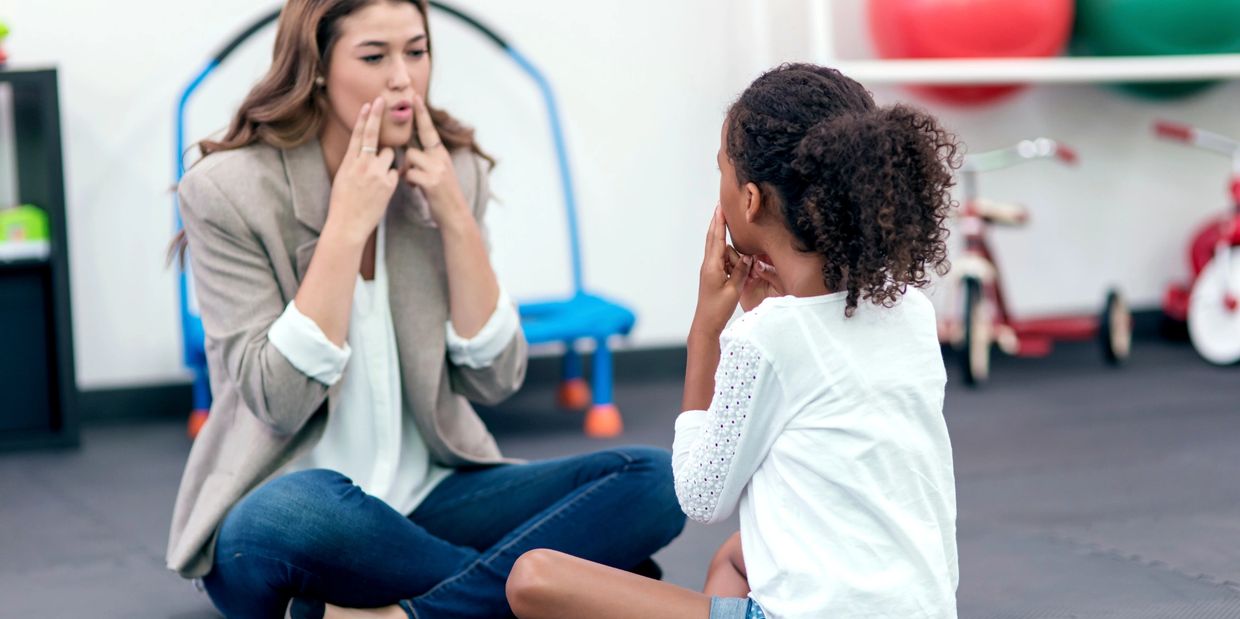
(753, 202)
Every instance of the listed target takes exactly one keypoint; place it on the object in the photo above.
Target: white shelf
(1042, 70)
(13, 251)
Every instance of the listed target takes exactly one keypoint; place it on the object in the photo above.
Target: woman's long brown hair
(286, 108)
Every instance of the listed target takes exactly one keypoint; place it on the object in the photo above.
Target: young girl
(820, 409)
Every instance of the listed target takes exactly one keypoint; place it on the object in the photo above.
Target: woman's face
(381, 52)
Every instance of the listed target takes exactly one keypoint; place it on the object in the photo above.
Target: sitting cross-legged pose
(352, 316)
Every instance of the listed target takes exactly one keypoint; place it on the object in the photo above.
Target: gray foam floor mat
(1083, 492)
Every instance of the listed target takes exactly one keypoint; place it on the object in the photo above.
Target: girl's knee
(531, 582)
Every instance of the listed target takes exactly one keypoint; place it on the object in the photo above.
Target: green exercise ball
(1157, 28)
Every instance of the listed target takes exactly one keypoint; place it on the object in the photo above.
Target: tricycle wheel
(1214, 310)
(978, 336)
(1115, 329)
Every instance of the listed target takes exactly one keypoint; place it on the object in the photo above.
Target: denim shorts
(735, 608)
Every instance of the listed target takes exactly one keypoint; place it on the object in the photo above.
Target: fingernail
(748, 260)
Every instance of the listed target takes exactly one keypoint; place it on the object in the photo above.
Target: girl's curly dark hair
(866, 187)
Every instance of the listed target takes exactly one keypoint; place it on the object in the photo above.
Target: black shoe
(301, 608)
(649, 569)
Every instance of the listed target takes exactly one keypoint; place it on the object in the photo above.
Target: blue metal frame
(584, 316)
(191, 323)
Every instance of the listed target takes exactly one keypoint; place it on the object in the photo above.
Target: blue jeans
(735, 608)
(315, 535)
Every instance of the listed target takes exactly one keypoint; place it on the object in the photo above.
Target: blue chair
(582, 316)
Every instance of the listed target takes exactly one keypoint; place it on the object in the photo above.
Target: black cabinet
(38, 389)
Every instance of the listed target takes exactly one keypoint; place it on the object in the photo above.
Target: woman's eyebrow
(384, 45)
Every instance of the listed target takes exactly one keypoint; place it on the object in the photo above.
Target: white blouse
(370, 438)
(829, 434)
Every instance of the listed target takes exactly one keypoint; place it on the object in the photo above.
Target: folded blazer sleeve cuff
(484, 348)
(303, 343)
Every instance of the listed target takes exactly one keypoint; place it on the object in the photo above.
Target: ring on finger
(370, 149)
(437, 144)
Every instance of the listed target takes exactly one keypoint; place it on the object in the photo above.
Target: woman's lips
(401, 112)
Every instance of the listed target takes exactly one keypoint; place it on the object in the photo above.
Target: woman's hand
(365, 181)
(473, 291)
(430, 169)
(721, 281)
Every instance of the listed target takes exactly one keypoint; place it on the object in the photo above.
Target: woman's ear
(753, 202)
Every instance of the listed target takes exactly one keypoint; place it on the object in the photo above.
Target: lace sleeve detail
(707, 476)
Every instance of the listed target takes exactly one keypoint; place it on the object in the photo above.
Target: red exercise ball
(969, 29)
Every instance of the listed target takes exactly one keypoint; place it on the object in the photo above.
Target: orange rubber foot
(196, 420)
(603, 421)
(574, 395)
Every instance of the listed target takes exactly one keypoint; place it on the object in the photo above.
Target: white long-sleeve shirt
(829, 433)
(369, 437)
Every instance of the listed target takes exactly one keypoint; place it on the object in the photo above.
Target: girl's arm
(716, 451)
(703, 350)
(720, 285)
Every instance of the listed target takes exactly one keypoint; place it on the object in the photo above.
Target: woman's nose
(399, 79)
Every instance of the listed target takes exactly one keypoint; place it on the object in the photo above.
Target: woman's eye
(372, 59)
(416, 53)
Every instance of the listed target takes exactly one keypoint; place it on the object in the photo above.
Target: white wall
(642, 87)
(640, 99)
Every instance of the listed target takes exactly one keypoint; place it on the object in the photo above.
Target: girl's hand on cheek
(763, 281)
(721, 281)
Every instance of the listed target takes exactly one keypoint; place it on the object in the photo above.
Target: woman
(351, 314)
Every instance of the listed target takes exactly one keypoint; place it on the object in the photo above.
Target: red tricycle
(986, 318)
(1210, 301)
